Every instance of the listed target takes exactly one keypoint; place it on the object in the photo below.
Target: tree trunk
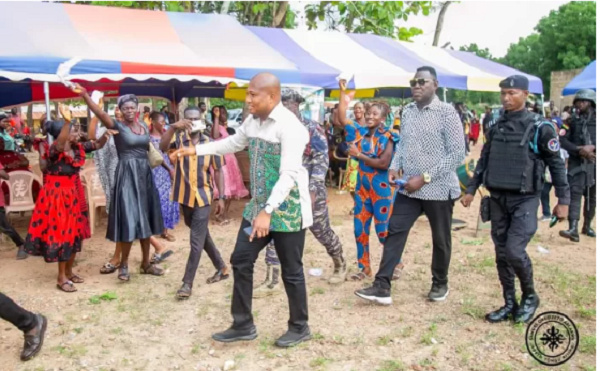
(225, 7)
(440, 22)
(279, 17)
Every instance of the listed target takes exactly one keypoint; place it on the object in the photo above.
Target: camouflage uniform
(316, 161)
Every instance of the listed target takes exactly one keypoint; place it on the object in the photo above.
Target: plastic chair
(20, 191)
(95, 193)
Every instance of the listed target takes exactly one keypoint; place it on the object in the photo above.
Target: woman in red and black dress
(59, 223)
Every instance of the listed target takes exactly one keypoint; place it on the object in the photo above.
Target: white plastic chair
(95, 193)
(20, 190)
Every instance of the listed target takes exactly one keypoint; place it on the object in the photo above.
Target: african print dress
(60, 220)
(162, 179)
(354, 133)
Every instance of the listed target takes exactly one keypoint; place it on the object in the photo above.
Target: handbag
(154, 156)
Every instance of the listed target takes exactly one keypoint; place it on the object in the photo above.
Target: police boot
(529, 304)
(587, 228)
(571, 233)
(504, 313)
(270, 285)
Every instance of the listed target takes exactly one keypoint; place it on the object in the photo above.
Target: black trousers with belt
(289, 247)
(514, 222)
(11, 312)
(404, 214)
(196, 218)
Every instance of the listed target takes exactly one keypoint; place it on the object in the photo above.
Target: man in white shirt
(280, 208)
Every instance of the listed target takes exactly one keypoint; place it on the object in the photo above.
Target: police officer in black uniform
(511, 167)
(578, 137)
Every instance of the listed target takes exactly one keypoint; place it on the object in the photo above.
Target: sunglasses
(421, 82)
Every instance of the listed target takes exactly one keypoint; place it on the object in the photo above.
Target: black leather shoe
(587, 230)
(290, 339)
(230, 335)
(529, 305)
(34, 338)
(504, 313)
(572, 232)
(184, 292)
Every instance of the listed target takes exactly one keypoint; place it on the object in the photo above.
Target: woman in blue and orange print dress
(353, 132)
(374, 195)
(59, 223)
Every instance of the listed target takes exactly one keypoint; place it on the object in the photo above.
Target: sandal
(159, 258)
(152, 270)
(219, 276)
(66, 286)
(108, 268)
(123, 273)
(360, 276)
(76, 279)
(398, 272)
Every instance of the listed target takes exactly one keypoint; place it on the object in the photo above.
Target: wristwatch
(269, 209)
(426, 178)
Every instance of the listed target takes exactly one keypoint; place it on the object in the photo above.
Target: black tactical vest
(512, 164)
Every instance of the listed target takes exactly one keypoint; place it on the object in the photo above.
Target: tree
(440, 22)
(377, 17)
(474, 48)
(565, 39)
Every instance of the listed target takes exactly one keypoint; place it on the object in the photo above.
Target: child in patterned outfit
(374, 196)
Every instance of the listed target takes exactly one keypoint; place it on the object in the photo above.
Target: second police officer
(519, 147)
(578, 137)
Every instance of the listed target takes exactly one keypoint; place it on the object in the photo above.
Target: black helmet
(586, 94)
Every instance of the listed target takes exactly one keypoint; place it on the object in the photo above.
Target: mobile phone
(248, 230)
(553, 221)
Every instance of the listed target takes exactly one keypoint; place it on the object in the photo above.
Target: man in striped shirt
(193, 189)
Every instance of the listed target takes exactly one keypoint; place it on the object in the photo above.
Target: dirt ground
(145, 328)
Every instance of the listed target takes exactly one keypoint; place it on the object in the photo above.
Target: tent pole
(445, 90)
(48, 113)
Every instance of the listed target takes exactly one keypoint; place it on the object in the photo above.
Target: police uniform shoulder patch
(562, 132)
(553, 145)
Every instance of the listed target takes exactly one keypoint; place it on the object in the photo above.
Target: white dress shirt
(282, 127)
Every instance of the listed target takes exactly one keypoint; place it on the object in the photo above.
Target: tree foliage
(565, 39)
(474, 48)
(377, 17)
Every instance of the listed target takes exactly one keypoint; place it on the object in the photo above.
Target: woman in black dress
(135, 212)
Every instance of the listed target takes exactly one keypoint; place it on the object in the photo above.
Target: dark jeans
(545, 199)
(196, 218)
(8, 229)
(16, 315)
(289, 247)
(404, 214)
(514, 222)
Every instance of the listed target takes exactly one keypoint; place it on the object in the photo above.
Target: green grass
(78, 330)
(319, 362)
(107, 296)
(116, 331)
(431, 333)
(475, 242)
(586, 313)
(391, 365)
(384, 340)
(587, 344)
(406, 332)
(318, 336)
(317, 291)
(470, 308)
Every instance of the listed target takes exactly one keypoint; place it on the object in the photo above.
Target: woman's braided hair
(383, 107)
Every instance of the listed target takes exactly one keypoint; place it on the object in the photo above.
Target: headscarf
(126, 98)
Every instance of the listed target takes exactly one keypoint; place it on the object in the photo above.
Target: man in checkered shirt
(430, 149)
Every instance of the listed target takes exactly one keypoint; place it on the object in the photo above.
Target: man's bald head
(264, 93)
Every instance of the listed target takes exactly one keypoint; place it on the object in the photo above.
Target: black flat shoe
(34, 339)
(230, 335)
(290, 339)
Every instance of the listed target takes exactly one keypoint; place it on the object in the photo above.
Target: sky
(491, 24)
